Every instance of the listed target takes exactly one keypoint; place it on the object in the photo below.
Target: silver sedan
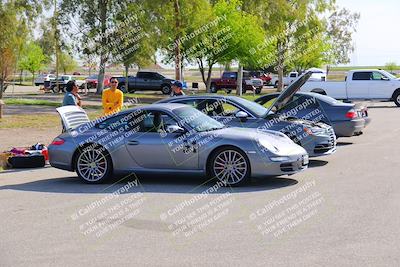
(170, 138)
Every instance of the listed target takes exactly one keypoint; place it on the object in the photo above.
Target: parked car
(318, 139)
(318, 75)
(183, 139)
(347, 119)
(228, 82)
(62, 82)
(92, 80)
(44, 78)
(146, 80)
(360, 84)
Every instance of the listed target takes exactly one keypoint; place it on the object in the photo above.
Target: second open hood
(289, 92)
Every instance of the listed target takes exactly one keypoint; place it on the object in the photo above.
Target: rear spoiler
(72, 116)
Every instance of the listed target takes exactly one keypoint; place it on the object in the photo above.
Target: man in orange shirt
(113, 98)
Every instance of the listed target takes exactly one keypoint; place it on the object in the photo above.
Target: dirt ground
(27, 136)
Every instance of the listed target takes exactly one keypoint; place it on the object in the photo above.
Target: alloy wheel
(230, 167)
(92, 165)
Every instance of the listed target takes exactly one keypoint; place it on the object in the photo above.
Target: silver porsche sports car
(170, 138)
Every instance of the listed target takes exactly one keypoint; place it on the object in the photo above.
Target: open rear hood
(72, 116)
(290, 91)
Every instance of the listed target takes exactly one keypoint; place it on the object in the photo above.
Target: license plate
(305, 160)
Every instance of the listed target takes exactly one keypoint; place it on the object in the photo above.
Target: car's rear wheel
(396, 98)
(258, 91)
(166, 89)
(230, 166)
(93, 165)
(228, 91)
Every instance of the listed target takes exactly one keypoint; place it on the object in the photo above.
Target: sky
(377, 39)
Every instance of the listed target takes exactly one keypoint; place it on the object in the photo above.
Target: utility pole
(178, 63)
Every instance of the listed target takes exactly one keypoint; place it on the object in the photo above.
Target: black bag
(28, 161)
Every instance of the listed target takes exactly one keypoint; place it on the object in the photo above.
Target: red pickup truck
(228, 82)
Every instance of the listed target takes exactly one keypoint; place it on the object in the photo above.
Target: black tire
(228, 91)
(396, 98)
(37, 84)
(276, 84)
(229, 171)
(213, 88)
(55, 89)
(244, 90)
(166, 89)
(103, 165)
(258, 91)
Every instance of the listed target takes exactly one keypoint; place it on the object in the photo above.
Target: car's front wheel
(230, 166)
(93, 165)
(213, 88)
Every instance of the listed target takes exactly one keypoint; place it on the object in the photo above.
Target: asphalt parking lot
(342, 211)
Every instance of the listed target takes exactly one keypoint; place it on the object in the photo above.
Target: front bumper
(320, 145)
(262, 165)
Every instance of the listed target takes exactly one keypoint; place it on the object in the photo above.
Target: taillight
(351, 114)
(57, 141)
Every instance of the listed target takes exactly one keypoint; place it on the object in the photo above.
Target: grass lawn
(36, 102)
(38, 121)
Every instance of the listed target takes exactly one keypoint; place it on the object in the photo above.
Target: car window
(229, 75)
(300, 100)
(378, 76)
(157, 121)
(293, 75)
(362, 76)
(125, 122)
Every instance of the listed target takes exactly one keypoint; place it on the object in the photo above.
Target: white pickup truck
(360, 84)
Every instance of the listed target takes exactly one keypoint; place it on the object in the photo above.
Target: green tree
(32, 59)
(287, 22)
(391, 66)
(139, 42)
(17, 17)
(92, 23)
(67, 63)
(230, 36)
(341, 26)
(179, 23)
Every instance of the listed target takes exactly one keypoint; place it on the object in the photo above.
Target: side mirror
(175, 129)
(241, 115)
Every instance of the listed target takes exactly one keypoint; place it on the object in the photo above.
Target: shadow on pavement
(317, 163)
(151, 184)
(343, 143)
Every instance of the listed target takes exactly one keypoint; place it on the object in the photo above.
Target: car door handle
(133, 143)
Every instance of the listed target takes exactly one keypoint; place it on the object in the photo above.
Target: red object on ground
(45, 153)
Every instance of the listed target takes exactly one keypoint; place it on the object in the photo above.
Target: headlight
(279, 158)
(314, 131)
(265, 144)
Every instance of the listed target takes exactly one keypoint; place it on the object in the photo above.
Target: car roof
(216, 97)
(156, 106)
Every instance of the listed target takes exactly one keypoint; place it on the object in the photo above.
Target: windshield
(197, 120)
(391, 76)
(253, 107)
